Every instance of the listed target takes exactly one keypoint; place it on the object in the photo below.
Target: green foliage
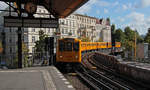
(100, 40)
(25, 50)
(39, 45)
(15, 62)
(85, 39)
(1, 47)
(113, 28)
(127, 38)
(1, 44)
(140, 39)
(108, 21)
(129, 33)
(69, 33)
(119, 35)
(147, 38)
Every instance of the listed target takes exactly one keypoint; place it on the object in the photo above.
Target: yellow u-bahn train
(69, 50)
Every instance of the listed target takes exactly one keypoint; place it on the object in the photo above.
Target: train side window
(61, 45)
(76, 46)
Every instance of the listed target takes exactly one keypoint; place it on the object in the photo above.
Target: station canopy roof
(58, 8)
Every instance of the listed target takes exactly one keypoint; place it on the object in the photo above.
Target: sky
(122, 13)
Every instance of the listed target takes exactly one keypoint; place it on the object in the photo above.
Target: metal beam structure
(58, 8)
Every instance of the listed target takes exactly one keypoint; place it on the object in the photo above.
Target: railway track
(110, 73)
(97, 79)
(92, 81)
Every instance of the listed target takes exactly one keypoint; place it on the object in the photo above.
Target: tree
(108, 21)
(139, 38)
(85, 39)
(25, 51)
(70, 33)
(119, 36)
(1, 47)
(100, 40)
(129, 38)
(113, 28)
(40, 44)
(113, 34)
(129, 33)
(147, 38)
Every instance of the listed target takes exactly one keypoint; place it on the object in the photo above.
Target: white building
(104, 30)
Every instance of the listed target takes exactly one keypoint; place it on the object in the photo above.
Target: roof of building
(86, 16)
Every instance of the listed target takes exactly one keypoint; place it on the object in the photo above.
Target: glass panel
(68, 46)
(61, 46)
(76, 46)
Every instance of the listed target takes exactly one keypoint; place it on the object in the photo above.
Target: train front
(68, 51)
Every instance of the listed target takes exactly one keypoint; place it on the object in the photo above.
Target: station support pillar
(19, 47)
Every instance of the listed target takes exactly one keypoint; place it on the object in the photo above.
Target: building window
(72, 23)
(62, 31)
(49, 30)
(33, 29)
(10, 30)
(39, 10)
(66, 31)
(33, 39)
(10, 40)
(66, 22)
(10, 50)
(43, 11)
(33, 49)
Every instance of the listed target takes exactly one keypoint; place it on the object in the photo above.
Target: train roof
(70, 39)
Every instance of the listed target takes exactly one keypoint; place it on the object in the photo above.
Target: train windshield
(68, 46)
(65, 46)
(76, 46)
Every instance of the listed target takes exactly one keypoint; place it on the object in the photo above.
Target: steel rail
(110, 71)
(116, 84)
(96, 84)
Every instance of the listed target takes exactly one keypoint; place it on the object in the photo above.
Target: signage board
(30, 22)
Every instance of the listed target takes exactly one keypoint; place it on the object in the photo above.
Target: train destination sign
(30, 22)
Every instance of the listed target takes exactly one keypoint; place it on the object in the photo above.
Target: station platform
(35, 78)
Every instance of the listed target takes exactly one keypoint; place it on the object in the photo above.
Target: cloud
(139, 22)
(112, 21)
(145, 3)
(121, 19)
(115, 4)
(124, 7)
(103, 3)
(128, 6)
(137, 17)
(142, 4)
(97, 12)
(99, 3)
(87, 7)
(105, 10)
